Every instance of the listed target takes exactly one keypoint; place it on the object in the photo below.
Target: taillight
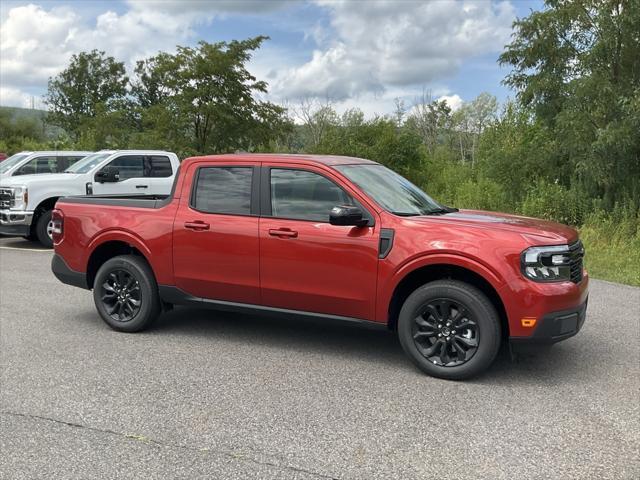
(57, 225)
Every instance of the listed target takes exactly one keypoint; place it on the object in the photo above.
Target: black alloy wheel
(449, 329)
(126, 295)
(121, 295)
(445, 333)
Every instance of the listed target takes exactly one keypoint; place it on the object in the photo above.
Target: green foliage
(576, 65)
(612, 243)
(92, 84)
(210, 97)
(552, 201)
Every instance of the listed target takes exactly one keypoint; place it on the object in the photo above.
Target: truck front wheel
(126, 293)
(449, 329)
(43, 229)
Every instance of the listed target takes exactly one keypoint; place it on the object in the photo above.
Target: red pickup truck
(327, 236)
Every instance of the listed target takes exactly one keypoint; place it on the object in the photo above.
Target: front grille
(576, 253)
(5, 197)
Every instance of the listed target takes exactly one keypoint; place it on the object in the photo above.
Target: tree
(430, 119)
(470, 120)
(209, 91)
(91, 83)
(317, 117)
(151, 84)
(576, 65)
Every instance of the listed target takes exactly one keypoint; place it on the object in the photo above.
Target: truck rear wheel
(449, 329)
(43, 229)
(126, 293)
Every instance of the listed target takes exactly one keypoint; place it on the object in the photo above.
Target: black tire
(431, 315)
(41, 229)
(136, 283)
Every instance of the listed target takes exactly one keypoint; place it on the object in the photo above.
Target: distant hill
(15, 113)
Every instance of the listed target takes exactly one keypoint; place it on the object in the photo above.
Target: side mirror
(347, 215)
(108, 175)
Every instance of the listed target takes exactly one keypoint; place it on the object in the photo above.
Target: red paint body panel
(221, 262)
(315, 266)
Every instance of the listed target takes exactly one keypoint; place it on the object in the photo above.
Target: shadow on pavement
(21, 244)
(356, 341)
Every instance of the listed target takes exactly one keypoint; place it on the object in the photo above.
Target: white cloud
(36, 43)
(13, 97)
(366, 55)
(207, 6)
(388, 43)
(453, 101)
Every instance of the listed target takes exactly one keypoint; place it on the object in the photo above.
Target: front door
(305, 262)
(215, 239)
(138, 174)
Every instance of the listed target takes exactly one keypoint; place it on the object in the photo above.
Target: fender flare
(117, 235)
(472, 264)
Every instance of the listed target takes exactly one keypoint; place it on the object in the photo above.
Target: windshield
(87, 163)
(12, 161)
(391, 191)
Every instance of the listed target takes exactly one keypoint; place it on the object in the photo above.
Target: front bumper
(15, 222)
(555, 327)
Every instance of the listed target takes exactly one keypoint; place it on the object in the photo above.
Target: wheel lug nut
(439, 335)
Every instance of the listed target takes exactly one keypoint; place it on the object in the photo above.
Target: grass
(613, 249)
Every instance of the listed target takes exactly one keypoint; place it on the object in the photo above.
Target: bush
(612, 243)
(482, 194)
(552, 201)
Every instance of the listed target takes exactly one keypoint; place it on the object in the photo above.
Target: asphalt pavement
(211, 395)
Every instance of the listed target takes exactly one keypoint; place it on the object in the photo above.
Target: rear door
(158, 172)
(305, 262)
(215, 240)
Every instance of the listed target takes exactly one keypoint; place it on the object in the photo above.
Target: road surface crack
(160, 444)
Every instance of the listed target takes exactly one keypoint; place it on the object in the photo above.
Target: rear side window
(223, 190)
(304, 195)
(156, 166)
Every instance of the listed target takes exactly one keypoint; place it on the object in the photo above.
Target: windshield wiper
(441, 211)
(407, 214)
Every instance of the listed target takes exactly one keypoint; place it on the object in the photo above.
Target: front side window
(44, 164)
(129, 166)
(223, 190)
(391, 191)
(304, 195)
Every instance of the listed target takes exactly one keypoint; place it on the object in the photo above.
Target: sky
(356, 53)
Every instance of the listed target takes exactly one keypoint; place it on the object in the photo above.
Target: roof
(53, 152)
(329, 160)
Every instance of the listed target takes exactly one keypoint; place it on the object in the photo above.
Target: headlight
(547, 264)
(19, 198)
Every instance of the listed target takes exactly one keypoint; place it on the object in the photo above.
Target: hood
(40, 179)
(538, 231)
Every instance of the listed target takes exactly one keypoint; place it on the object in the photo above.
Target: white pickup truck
(33, 163)
(26, 201)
